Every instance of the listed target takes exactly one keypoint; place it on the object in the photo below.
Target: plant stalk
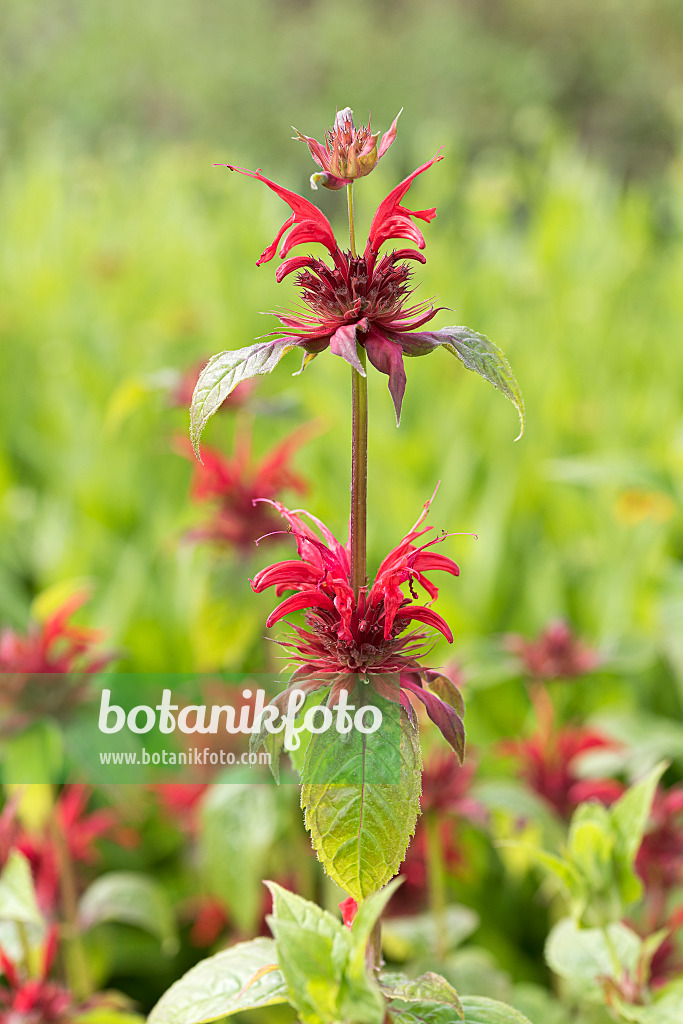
(436, 880)
(77, 965)
(359, 451)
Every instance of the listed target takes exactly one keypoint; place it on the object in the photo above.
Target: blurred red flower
(556, 654)
(234, 487)
(548, 764)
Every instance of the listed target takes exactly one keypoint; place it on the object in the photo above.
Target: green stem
(359, 452)
(436, 879)
(25, 947)
(77, 964)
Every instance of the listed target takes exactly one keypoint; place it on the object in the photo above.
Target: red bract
(348, 152)
(360, 299)
(234, 487)
(348, 637)
(349, 909)
(547, 762)
(556, 654)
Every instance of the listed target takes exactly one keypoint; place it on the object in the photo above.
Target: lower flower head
(347, 636)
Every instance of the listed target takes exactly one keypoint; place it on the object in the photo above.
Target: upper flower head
(348, 152)
(348, 636)
(359, 299)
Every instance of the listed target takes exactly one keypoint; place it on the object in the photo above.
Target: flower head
(235, 486)
(556, 654)
(348, 636)
(348, 152)
(54, 647)
(34, 1000)
(548, 763)
(359, 299)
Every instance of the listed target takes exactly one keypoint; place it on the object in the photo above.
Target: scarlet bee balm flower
(347, 637)
(358, 300)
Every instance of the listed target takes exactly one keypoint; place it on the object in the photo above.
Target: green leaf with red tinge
(480, 355)
(428, 988)
(223, 373)
(361, 798)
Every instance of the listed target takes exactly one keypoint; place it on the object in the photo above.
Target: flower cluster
(56, 647)
(556, 654)
(349, 636)
(234, 487)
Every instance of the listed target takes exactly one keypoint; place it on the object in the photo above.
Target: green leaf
(237, 830)
(108, 1016)
(585, 955)
(428, 988)
(361, 829)
(369, 912)
(631, 812)
(476, 1010)
(245, 977)
(319, 958)
(480, 1010)
(130, 898)
(223, 373)
(477, 353)
(17, 893)
(406, 938)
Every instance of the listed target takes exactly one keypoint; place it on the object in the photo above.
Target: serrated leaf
(223, 373)
(584, 954)
(245, 977)
(407, 938)
(480, 1010)
(477, 353)
(130, 898)
(475, 1009)
(318, 958)
(17, 893)
(237, 829)
(429, 988)
(360, 829)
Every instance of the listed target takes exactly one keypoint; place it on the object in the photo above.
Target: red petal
(426, 615)
(393, 220)
(312, 224)
(307, 599)
(288, 575)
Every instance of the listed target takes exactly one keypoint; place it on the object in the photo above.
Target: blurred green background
(125, 257)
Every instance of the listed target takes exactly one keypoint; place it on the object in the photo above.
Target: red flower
(349, 152)
(234, 486)
(547, 763)
(357, 300)
(34, 1000)
(56, 647)
(79, 829)
(556, 654)
(660, 858)
(347, 637)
